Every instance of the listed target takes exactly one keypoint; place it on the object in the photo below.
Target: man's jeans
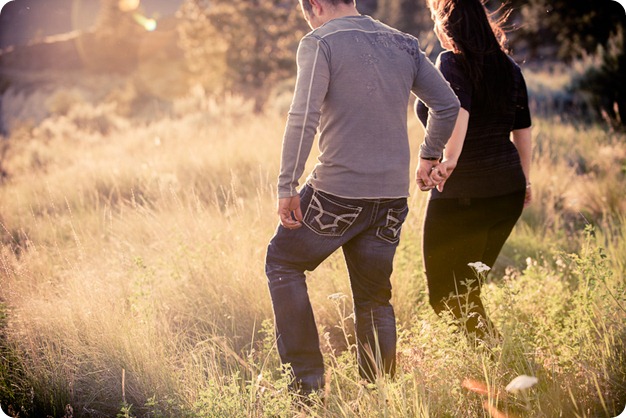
(368, 230)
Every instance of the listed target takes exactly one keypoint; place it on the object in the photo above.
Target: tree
(605, 85)
(204, 48)
(113, 44)
(241, 46)
(571, 28)
(409, 16)
(367, 7)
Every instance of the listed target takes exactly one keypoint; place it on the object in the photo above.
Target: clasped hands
(432, 173)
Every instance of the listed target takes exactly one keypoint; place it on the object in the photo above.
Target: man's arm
(304, 114)
(443, 107)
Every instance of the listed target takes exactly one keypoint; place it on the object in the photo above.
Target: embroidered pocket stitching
(393, 225)
(316, 224)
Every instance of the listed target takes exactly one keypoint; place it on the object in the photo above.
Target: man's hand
(422, 174)
(289, 212)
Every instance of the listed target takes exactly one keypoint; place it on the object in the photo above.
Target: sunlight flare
(476, 386)
(147, 23)
(128, 5)
(495, 412)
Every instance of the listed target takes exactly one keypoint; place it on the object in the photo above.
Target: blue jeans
(368, 231)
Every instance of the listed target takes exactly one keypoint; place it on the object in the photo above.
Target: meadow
(132, 277)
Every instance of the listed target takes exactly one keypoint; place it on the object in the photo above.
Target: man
(355, 76)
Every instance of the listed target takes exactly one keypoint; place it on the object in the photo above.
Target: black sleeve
(455, 75)
(422, 112)
(522, 113)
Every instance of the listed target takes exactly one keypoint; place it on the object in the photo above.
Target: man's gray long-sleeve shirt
(355, 76)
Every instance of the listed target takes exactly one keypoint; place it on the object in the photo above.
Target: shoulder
(450, 66)
(447, 59)
(311, 41)
(518, 76)
(313, 36)
(309, 47)
(514, 65)
(345, 25)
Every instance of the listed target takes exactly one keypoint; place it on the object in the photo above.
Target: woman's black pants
(462, 231)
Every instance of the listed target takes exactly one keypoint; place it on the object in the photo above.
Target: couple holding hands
(355, 76)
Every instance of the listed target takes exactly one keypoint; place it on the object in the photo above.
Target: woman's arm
(452, 151)
(455, 143)
(522, 138)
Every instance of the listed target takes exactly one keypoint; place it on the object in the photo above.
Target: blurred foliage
(406, 15)
(247, 47)
(570, 28)
(542, 29)
(566, 30)
(603, 83)
(549, 32)
(114, 22)
(240, 46)
(116, 34)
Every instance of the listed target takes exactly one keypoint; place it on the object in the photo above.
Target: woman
(484, 176)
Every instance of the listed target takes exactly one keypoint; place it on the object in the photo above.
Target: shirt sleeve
(304, 114)
(522, 112)
(440, 107)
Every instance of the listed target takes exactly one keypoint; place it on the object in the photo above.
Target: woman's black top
(489, 164)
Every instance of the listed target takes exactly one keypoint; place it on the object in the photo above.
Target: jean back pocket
(329, 217)
(393, 225)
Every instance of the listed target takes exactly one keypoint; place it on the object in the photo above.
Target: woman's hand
(529, 196)
(439, 174)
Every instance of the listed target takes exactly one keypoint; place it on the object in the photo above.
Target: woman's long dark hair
(479, 44)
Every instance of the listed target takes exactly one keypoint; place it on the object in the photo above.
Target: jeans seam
(374, 214)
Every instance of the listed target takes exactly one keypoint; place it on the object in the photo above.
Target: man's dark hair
(308, 8)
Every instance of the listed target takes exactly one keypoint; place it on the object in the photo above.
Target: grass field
(132, 279)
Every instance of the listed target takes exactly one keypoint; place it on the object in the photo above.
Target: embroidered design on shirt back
(399, 41)
(369, 59)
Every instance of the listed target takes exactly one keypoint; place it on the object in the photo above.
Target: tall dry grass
(132, 279)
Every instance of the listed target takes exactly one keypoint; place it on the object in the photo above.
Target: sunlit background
(27, 19)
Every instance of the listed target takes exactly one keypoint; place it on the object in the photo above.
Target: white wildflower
(2, 414)
(479, 267)
(521, 383)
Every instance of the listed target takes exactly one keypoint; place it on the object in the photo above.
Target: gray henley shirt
(355, 76)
